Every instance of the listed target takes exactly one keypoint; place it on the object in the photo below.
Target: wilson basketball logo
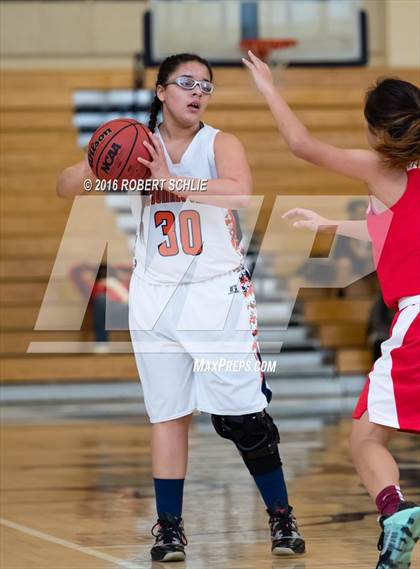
(94, 146)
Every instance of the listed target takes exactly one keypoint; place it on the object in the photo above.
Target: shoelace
(382, 536)
(381, 541)
(168, 532)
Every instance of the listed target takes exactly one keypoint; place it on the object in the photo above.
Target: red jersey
(395, 237)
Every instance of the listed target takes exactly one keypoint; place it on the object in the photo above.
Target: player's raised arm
(356, 163)
(72, 180)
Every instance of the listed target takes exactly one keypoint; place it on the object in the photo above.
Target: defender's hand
(308, 219)
(260, 72)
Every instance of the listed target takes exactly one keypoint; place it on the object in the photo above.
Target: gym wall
(95, 34)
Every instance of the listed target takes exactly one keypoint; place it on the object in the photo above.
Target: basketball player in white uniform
(192, 308)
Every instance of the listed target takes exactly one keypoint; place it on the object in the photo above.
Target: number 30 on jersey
(189, 232)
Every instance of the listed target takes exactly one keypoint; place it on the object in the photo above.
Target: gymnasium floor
(78, 495)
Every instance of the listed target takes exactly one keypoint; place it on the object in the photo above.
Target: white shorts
(196, 347)
(392, 391)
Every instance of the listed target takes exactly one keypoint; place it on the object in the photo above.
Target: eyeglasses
(189, 83)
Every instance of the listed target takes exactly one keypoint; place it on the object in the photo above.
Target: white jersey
(179, 240)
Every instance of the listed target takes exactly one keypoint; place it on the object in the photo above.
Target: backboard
(328, 32)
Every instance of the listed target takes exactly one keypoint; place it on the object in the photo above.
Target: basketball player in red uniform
(390, 400)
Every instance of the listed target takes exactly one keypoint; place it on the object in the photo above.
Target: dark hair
(392, 110)
(168, 66)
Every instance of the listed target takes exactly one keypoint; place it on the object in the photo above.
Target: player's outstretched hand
(158, 166)
(260, 72)
(308, 219)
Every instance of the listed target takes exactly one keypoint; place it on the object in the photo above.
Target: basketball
(114, 148)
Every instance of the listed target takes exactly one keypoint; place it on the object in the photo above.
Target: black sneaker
(400, 532)
(285, 536)
(170, 539)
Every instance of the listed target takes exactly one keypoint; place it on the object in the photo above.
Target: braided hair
(392, 111)
(168, 66)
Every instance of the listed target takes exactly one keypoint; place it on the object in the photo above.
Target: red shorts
(391, 395)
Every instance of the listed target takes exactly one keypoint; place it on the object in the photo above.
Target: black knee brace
(256, 437)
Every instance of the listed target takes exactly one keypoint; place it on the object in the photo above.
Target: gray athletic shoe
(285, 536)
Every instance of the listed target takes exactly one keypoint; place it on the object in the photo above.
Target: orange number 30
(189, 231)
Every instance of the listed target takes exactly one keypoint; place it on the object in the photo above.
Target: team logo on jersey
(233, 289)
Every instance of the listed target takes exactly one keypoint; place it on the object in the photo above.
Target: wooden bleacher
(38, 140)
